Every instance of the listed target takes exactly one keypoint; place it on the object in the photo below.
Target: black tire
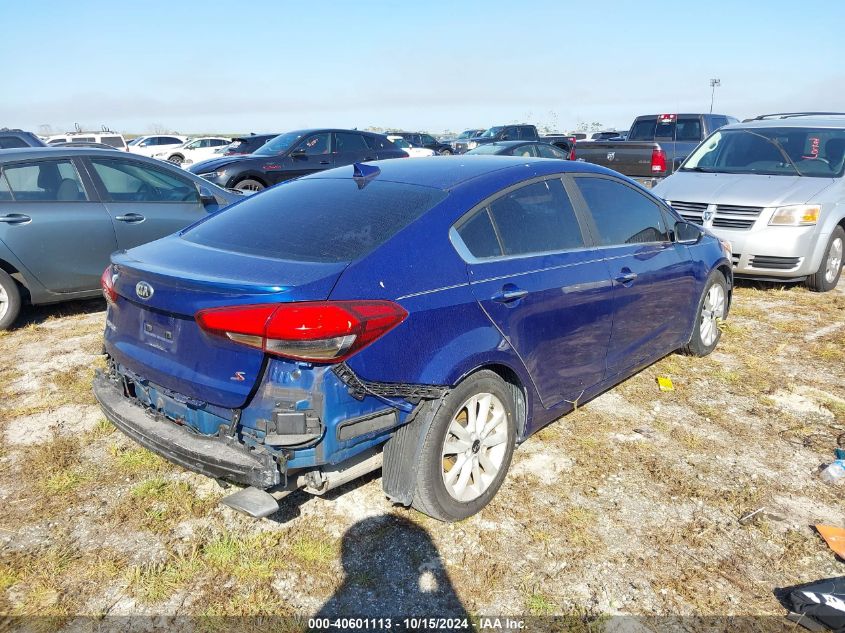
(697, 346)
(249, 184)
(11, 307)
(176, 159)
(446, 152)
(819, 282)
(431, 495)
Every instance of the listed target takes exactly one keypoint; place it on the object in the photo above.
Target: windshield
(279, 145)
(466, 134)
(493, 131)
(787, 151)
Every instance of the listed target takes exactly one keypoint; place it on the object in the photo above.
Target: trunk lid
(161, 286)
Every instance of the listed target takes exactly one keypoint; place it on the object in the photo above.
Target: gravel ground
(631, 505)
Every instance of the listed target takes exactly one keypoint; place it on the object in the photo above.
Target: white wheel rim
(712, 311)
(4, 302)
(248, 187)
(834, 260)
(474, 447)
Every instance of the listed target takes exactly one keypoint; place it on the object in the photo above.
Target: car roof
(449, 172)
(834, 122)
(34, 153)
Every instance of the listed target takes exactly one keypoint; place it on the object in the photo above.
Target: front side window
(688, 129)
(194, 145)
(643, 129)
(621, 214)
(492, 132)
(787, 151)
(314, 145)
(169, 140)
(128, 181)
(44, 181)
(428, 140)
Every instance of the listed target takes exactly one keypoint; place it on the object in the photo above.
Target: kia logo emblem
(144, 290)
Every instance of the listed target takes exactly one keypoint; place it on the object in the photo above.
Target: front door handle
(370, 158)
(626, 277)
(507, 295)
(325, 162)
(130, 218)
(15, 218)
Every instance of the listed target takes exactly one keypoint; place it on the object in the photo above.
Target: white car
(106, 137)
(194, 151)
(152, 144)
(414, 151)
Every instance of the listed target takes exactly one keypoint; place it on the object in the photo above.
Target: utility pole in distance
(714, 83)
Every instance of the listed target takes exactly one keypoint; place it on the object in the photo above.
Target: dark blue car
(424, 316)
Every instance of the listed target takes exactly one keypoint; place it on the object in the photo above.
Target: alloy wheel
(712, 311)
(834, 260)
(4, 302)
(474, 447)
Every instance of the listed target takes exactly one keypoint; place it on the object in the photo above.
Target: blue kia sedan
(420, 316)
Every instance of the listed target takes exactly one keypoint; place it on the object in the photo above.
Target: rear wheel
(176, 159)
(467, 450)
(712, 309)
(10, 301)
(248, 184)
(827, 276)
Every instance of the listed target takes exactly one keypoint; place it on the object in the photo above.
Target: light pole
(714, 83)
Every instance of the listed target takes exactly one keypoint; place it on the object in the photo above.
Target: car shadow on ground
(392, 569)
(34, 315)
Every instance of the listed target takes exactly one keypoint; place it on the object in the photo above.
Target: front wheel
(176, 159)
(446, 152)
(249, 184)
(10, 301)
(712, 309)
(827, 276)
(467, 450)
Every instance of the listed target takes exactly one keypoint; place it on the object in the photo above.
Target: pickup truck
(515, 132)
(657, 144)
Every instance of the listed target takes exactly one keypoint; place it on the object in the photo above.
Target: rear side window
(114, 141)
(536, 218)
(688, 130)
(379, 142)
(45, 181)
(346, 142)
(549, 151)
(316, 219)
(621, 214)
(5, 192)
(128, 181)
(643, 129)
(9, 142)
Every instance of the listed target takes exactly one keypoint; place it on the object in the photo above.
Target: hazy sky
(272, 66)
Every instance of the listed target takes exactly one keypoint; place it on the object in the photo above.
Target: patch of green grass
(102, 428)
(246, 558)
(65, 481)
(136, 459)
(313, 551)
(158, 504)
(156, 582)
(540, 604)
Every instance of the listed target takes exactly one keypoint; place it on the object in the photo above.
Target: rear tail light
(572, 152)
(107, 282)
(318, 331)
(658, 160)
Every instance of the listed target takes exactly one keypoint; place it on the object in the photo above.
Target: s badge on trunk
(144, 290)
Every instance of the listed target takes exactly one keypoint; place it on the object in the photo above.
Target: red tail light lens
(313, 331)
(572, 151)
(107, 282)
(658, 160)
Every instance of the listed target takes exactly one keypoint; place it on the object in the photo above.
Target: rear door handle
(15, 218)
(130, 218)
(626, 277)
(509, 295)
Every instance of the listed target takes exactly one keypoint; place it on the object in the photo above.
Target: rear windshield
(316, 220)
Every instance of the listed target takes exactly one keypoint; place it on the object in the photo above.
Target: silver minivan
(774, 188)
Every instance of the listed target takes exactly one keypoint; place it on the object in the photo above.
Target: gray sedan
(63, 211)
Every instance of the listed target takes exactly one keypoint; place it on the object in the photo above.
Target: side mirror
(506, 137)
(688, 233)
(206, 197)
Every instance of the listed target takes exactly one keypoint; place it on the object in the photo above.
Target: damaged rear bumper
(213, 456)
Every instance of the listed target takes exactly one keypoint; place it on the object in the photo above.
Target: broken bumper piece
(217, 457)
